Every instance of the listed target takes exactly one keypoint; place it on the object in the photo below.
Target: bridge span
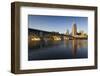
(34, 34)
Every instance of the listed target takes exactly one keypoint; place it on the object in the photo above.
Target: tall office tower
(74, 29)
(67, 32)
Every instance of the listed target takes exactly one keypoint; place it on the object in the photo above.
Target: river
(64, 49)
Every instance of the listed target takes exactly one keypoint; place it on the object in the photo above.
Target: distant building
(80, 35)
(67, 32)
(74, 29)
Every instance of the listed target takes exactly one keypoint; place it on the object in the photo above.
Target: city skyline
(57, 23)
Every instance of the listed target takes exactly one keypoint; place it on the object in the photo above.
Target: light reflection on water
(66, 49)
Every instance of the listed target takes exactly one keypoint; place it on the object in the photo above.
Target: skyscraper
(74, 29)
(67, 32)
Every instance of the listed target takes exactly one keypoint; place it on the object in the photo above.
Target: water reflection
(65, 49)
(74, 47)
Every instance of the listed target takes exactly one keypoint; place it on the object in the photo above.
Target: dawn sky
(57, 23)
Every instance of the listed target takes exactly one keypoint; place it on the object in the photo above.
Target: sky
(57, 23)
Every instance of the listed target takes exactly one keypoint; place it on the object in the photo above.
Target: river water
(64, 49)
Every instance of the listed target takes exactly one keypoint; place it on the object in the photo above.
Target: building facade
(74, 29)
